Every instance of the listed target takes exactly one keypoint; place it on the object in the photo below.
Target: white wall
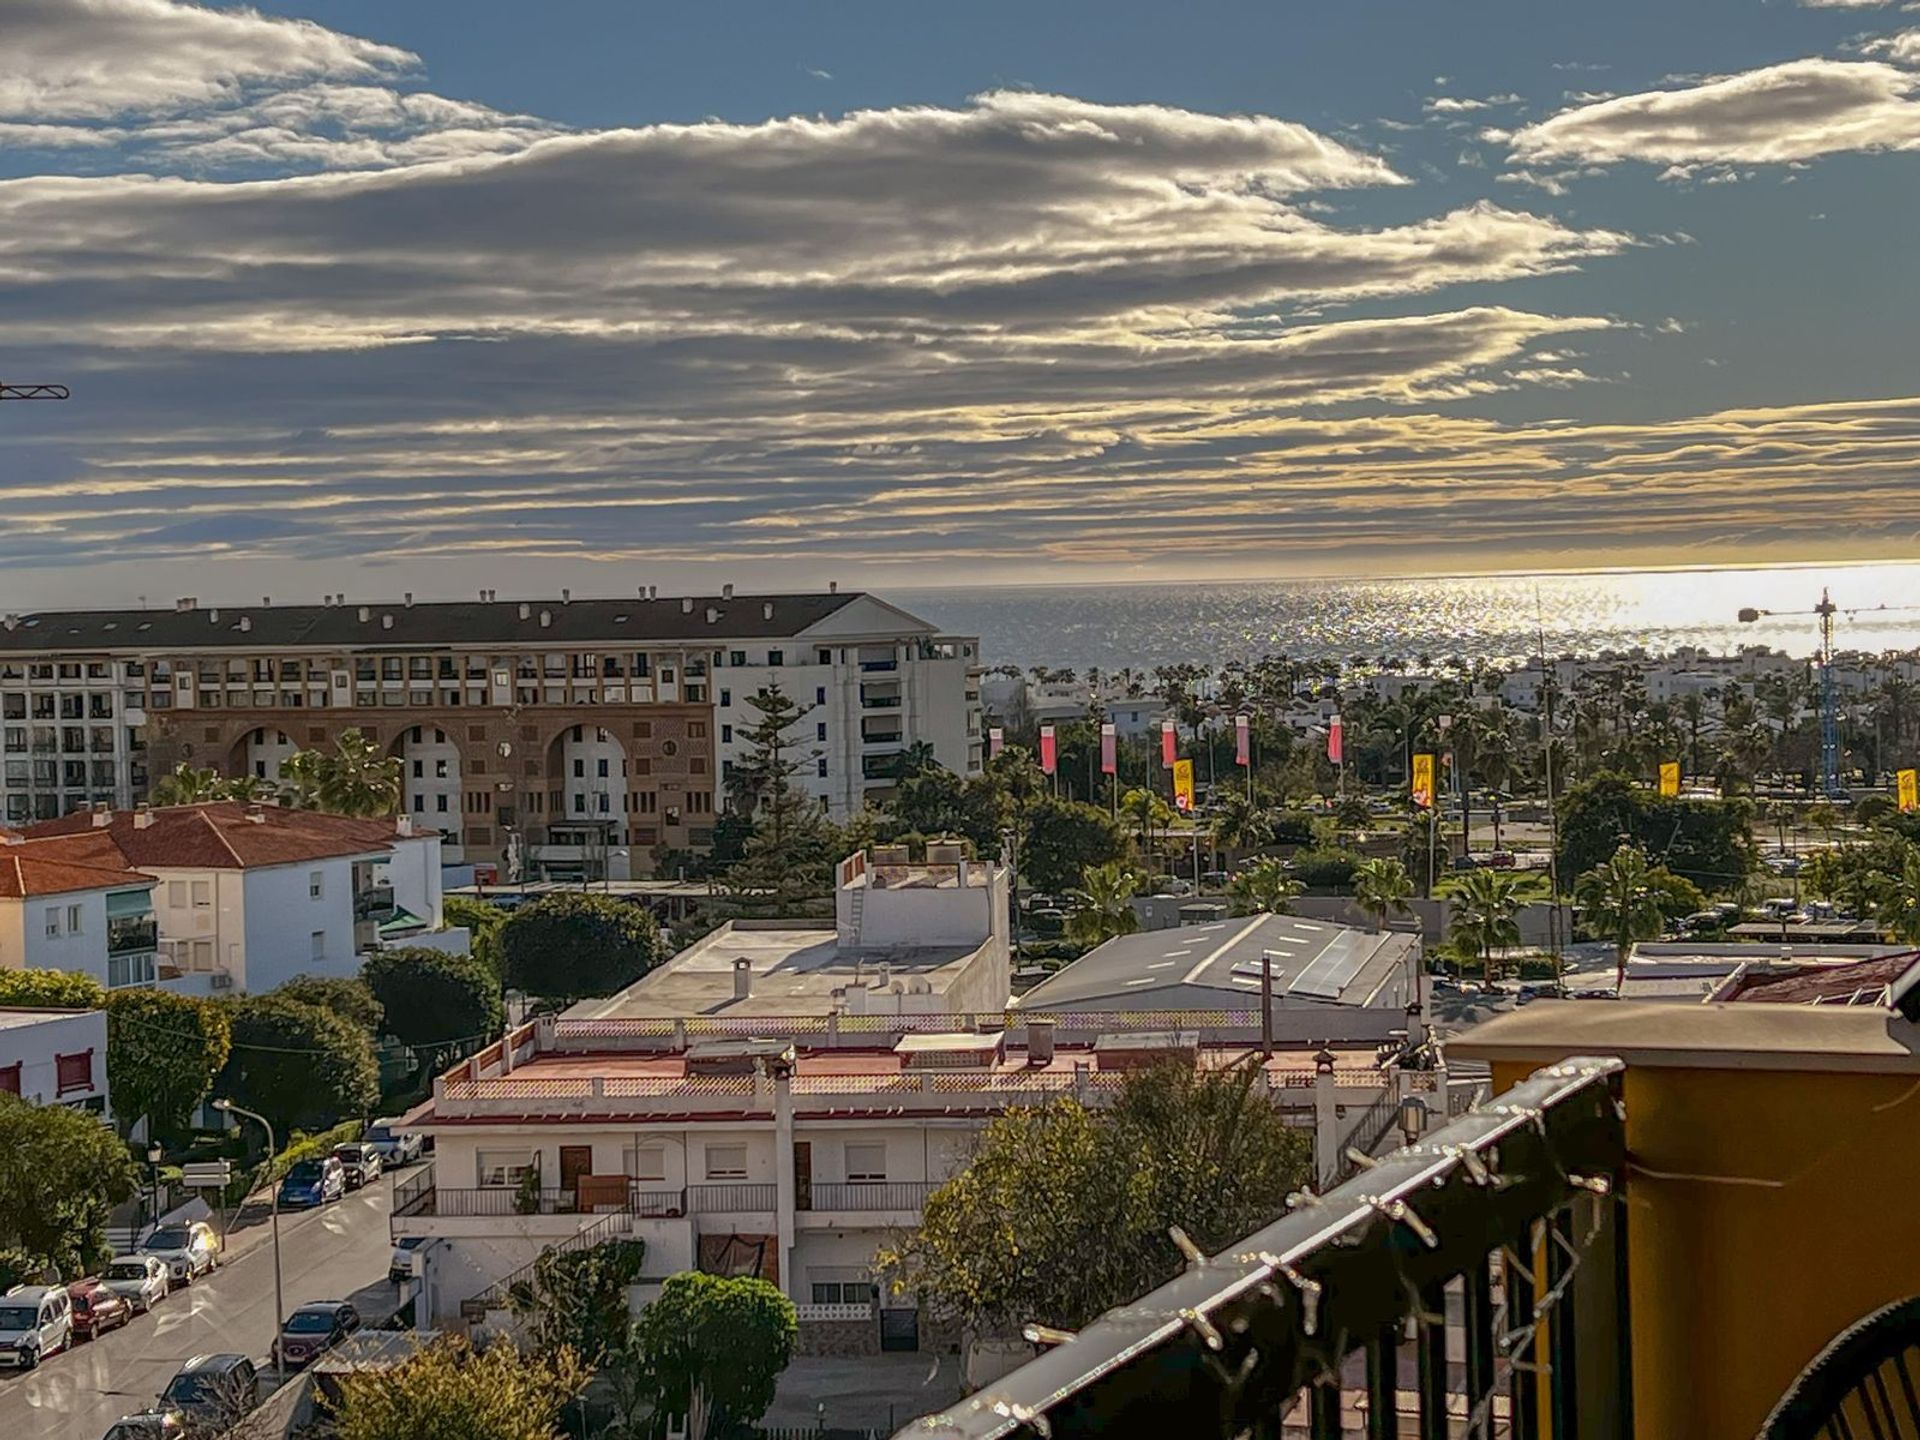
(413, 869)
(25, 944)
(35, 1045)
(281, 917)
(430, 779)
(221, 922)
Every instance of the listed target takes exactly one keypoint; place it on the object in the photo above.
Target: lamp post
(154, 1156)
(273, 1200)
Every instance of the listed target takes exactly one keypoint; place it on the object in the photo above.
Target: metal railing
(866, 1195)
(1511, 1219)
(498, 1295)
(707, 1199)
(415, 1194)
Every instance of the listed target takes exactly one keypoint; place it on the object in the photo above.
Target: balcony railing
(709, 1199)
(866, 1195)
(1511, 1219)
(418, 1195)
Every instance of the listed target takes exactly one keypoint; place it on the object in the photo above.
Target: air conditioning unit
(221, 980)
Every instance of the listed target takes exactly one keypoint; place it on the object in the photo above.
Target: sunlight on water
(1488, 617)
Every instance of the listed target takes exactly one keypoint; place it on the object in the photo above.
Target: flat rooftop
(20, 1017)
(795, 971)
(1218, 965)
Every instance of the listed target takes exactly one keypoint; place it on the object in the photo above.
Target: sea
(1499, 619)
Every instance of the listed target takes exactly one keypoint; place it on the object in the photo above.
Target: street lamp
(226, 1106)
(154, 1156)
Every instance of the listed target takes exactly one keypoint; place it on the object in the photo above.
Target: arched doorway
(430, 781)
(262, 753)
(586, 835)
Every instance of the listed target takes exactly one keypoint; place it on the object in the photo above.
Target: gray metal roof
(1217, 966)
(429, 625)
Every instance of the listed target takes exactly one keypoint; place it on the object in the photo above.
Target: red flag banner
(1048, 753)
(1109, 762)
(1335, 749)
(1242, 740)
(1169, 744)
(996, 738)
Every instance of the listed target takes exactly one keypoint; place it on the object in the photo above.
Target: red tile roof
(25, 873)
(1863, 981)
(224, 835)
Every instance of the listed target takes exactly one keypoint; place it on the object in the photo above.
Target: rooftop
(24, 874)
(221, 835)
(1864, 982)
(504, 623)
(1207, 966)
(19, 1017)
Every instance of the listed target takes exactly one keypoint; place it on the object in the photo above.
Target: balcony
(730, 1199)
(863, 1195)
(418, 1195)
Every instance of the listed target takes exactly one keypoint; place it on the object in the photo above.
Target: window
(820, 730)
(502, 1167)
(649, 1162)
(606, 802)
(73, 1072)
(579, 804)
(776, 657)
(202, 894)
(696, 729)
(579, 769)
(176, 894)
(726, 699)
(53, 922)
(820, 766)
(440, 803)
(819, 694)
(737, 659)
(726, 1162)
(74, 916)
(419, 804)
(843, 1292)
(866, 1162)
(316, 884)
(419, 769)
(726, 734)
(825, 656)
(440, 770)
(601, 768)
(317, 945)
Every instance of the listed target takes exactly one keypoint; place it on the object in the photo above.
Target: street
(326, 1254)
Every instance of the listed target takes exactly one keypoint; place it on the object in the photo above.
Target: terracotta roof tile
(1863, 981)
(224, 835)
(24, 874)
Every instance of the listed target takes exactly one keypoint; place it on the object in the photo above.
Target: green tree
(51, 990)
(577, 1300)
(61, 1174)
(1105, 895)
(1062, 840)
(184, 785)
(1620, 903)
(1382, 887)
(163, 1051)
(1264, 888)
(1150, 814)
(447, 1392)
(1678, 896)
(1063, 1211)
(788, 858)
(1485, 904)
(346, 996)
(1708, 841)
(302, 1067)
(431, 998)
(571, 945)
(1899, 909)
(711, 1349)
(482, 921)
(356, 777)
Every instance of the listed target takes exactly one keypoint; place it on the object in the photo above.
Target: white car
(142, 1279)
(396, 1147)
(35, 1322)
(189, 1250)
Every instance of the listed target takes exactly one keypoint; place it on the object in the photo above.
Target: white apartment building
(55, 1057)
(92, 917)
(237, 898)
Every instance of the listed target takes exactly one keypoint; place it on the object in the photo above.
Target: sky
(355, 297)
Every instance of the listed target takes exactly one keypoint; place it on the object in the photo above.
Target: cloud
(1780, 114)
(1462, 105)
(97, 59)
(1844, 4)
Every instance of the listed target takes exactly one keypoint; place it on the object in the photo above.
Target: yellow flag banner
(1423, 781)
(1909, 788)
(1670, 777)
(1183, 786)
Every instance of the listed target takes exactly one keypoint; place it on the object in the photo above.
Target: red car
(97, 1309)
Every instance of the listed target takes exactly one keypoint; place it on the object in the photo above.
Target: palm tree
(1381, 887)
(1105, 900)
(355, 778)
(1485, 903)
(188, 786)
(1618, 901)
(1264, 888)
(1899, 910)
(1149, 812)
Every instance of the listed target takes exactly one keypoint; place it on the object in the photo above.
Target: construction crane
(1829, 700)
(33, 392)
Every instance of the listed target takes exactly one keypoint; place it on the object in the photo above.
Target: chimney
(653, 592)
(742, 978)
(186, 602)
(546, 618)
(102, 815)
(403, 824)
(1039, 1042)
(526, 611)
(386, 622)
(266, 602)
(213, 617)
(833, 587)
(726, 592)
(246, 624)
(13, 622)
(566, 596)
(366, 613)
(766, 611)
(713, 615)
(408, 598)
(686, 604)
(142, 817)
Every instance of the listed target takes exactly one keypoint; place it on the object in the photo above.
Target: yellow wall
(1783, 1210)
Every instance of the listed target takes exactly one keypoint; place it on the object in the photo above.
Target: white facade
(73, 930)
(72, 733)
(55, 1057)
(430, 778)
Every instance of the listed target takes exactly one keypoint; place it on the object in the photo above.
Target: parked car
(212, 1391)
(400, 1265)
(188, 1250)
(35, 1321)
(313, 1182)
(1500, 860)
(396, 1147)
(359, 1161)
(1465, 862)
(314, 1329)
(97, 1308)
(141, 1280)
(147, 1425)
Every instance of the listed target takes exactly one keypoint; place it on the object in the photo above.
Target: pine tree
(787, 858)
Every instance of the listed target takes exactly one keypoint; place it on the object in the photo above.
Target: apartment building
(220, 897)
(556, 738)
(55, 1057)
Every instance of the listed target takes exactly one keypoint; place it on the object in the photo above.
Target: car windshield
(18, 1317)
(309, 1322)
(170, 1237)
(379, 1132)
(194, 1389)
(306, 1172)
(127, 1270)
(346, 1152)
